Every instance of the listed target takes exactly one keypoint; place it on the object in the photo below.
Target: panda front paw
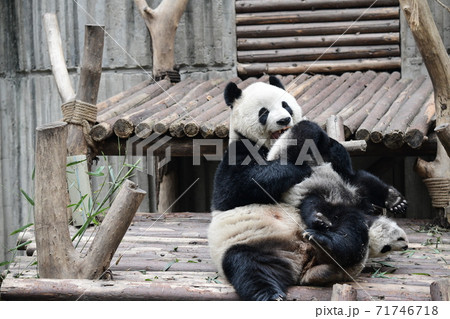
(318, 238)
(320, 221)
(395, 201)
(270, 295)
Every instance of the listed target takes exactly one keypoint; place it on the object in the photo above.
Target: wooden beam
(440, 290)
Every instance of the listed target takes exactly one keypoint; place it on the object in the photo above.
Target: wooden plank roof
(166, 257)
(377, 107)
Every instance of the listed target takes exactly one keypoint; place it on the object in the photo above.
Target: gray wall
(205, 45)
(412, 63)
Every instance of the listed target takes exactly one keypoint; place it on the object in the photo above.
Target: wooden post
(162, 23)
(56, 256)
(335, 129)
(55, 50)
(440, 290)
(343, 292)
(91, 70)
(437, 62)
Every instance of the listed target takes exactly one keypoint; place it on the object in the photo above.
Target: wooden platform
(166, 257)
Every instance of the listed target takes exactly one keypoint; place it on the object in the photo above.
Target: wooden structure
(292, 37)
(380, 108)
(166, 257)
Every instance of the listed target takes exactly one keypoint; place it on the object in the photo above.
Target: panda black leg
(257, 274)
(379, 193)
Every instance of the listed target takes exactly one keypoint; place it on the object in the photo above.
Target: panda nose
(285, 121)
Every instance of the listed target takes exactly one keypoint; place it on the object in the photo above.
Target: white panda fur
(259, 95)
(383, 233)
(257, 223)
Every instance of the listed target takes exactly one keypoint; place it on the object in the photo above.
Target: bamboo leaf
(21, 229)
(4, 263)
(28, 198)
(21, 245)
(75, 163)
(421, 274)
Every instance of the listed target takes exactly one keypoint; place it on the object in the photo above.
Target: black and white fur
(262, 250)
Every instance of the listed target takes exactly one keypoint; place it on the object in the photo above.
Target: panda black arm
(240, 180)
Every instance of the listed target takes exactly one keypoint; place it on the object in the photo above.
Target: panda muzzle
(276, 135)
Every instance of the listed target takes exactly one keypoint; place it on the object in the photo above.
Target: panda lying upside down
(262, 254)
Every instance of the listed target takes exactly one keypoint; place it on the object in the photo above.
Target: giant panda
(262, 250)
(262, 113)
(262, 266)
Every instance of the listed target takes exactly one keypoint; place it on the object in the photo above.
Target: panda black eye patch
(287, 107)
(262, 115)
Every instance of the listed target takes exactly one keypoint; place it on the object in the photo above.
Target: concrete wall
(205, 46)
(412, 63)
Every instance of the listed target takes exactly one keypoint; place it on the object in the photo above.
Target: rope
(76, 111)
(439, 189)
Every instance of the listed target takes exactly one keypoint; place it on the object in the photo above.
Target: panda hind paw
(395, 202)
(270, 295)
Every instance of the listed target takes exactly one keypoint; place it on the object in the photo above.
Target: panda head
(386, 236)
(261, 112)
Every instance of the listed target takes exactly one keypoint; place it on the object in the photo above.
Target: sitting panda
(262, 250)
(261, 113)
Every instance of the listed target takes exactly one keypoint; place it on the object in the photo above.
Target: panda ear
(275, 82)
(232, 92)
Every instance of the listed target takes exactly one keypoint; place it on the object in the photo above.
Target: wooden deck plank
(167, 258)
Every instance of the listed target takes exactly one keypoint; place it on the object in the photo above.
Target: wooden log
(125, 125)
(111, 231)
(338, 66)
(194, 98)
(57, 60)
(443, 133)
(267, 43)
(334, 91)
(301, 84)
(304, 29)
(282, 5)
(91, 71)
(349, 92)
(377, 108)
(56, 254)
(318, 16)
(211, 109)
(102, 106)
(223, 129)
(135, 100)
(352, 123)
(357, 103)
(335, 128)
(417, 131)
(316, 93)
(394, 133)
(176, 128)
(440, 290)
(323, 53)
(208, 127)
(395, 100)
(343, 292)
